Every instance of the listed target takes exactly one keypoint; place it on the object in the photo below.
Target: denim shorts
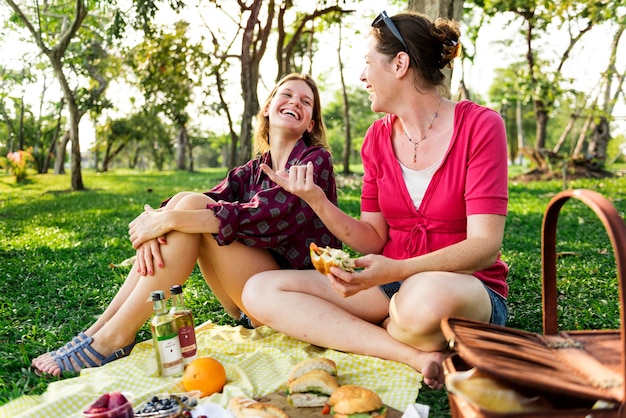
(499, 307)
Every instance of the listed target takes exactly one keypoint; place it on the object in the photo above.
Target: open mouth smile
(291, 113)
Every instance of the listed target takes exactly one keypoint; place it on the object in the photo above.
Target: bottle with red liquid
(183, 318)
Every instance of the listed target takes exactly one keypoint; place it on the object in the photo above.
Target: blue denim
(499, 307)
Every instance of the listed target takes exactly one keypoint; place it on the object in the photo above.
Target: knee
(416, 325)
(193, 201)
(418, 319)
(253, 294)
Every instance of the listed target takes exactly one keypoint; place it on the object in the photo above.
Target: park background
(161, 126)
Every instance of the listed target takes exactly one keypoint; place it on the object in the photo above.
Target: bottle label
(187, 338)
(171, 357)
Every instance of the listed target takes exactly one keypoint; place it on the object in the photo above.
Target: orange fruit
(204, 374)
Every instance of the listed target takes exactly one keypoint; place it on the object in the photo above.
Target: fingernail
(150, 272)
(160, 264)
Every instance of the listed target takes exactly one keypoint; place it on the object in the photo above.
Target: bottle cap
(176, 289)
(157, 295)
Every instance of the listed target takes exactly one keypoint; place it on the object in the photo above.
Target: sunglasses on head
(383, 17)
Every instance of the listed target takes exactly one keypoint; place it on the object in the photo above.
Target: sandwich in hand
(243, 407)
(351, 401)
(325, 258)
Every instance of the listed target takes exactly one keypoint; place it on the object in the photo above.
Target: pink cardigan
(472, 179)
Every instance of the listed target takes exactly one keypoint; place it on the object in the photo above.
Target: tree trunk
(10, 128)
(181, 150)
(347, 146)
(190, 154)
(520, 131)
(542, 123)
(77, 176)
(59, 161)
(55, 55)
(21, 128)
(581, 138)
(55, 138)
(252, 50)
(566, 131)
(446, 9)
(599, 140)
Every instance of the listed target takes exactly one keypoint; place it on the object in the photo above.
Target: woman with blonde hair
(245, 217)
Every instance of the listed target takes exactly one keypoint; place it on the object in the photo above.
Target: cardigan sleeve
(486, 187)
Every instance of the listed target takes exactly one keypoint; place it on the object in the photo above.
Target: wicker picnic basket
(575, 372)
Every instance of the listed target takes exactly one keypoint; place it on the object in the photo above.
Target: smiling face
(291, 108)
(379, 78)
(294, 105)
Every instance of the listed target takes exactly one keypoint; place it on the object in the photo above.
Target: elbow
(373, 246)
(488, 259)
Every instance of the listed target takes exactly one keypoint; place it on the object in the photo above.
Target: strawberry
(116, 400)
(100, 404)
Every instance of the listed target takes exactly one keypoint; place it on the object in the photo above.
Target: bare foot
(73, 358)
(38, 362)
(433, 371)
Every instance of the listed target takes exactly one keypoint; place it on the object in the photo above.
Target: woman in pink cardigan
(433, 210)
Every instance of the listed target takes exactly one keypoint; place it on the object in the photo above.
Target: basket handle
(616, 229)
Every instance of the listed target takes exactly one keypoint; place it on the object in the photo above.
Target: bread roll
(243, 407)
(312, 389)
(317, 363)
(352, 399)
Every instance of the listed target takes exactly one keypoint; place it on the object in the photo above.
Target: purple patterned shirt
(255, 211)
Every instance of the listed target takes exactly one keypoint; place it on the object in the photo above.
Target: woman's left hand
(147, 226)
(149, 256)
(376, 270)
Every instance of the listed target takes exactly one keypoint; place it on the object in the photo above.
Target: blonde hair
(317, 136)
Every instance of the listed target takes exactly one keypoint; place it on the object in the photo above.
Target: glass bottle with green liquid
(165, 338)
(184, 324)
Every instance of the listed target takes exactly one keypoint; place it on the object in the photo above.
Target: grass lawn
(57, 247)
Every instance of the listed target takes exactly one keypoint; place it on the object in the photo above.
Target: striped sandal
(79, 353)
(76, 340)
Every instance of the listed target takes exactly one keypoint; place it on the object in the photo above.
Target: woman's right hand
(298, 181)
(149, 255)
(374, 270)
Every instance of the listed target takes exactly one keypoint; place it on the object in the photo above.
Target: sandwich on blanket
(351, 401)
(311, 382)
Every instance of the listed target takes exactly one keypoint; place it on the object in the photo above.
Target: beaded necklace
(428, 129)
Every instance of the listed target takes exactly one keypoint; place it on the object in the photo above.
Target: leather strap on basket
(616, 229)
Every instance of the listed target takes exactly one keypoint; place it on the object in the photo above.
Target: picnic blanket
(257, 363)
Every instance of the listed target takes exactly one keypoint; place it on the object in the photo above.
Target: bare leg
(319, 316)
(441, 294)
(222, 266)
(226, 270)
(122, 295)
(119, 325)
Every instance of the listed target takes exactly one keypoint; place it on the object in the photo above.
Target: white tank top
(417, 181)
